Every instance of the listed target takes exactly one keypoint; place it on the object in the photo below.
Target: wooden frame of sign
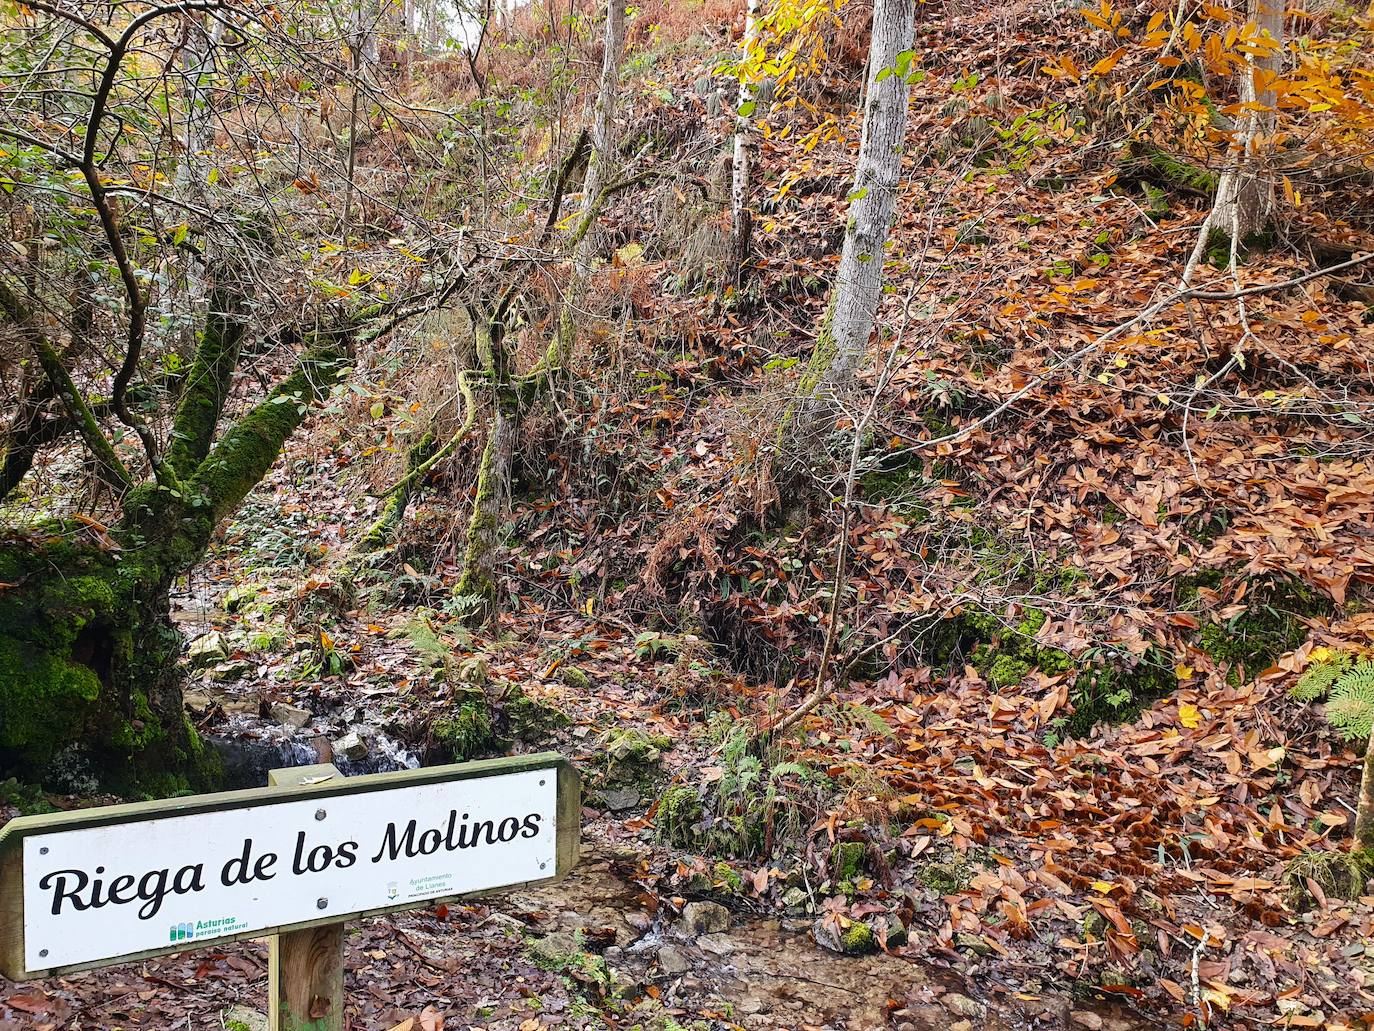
(86, 911)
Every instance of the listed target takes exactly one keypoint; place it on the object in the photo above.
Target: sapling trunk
(1364, 809)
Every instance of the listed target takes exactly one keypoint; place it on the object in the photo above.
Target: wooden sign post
(296, 860)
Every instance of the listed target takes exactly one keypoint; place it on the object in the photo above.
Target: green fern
(870, 720)
(788, 769)
(1350, 708)
(1320, 676)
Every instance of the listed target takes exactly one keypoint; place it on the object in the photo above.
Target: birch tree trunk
(1245, 199)
(740, 215)
(843, 340)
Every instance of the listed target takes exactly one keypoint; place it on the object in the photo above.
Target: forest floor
(1063, 778)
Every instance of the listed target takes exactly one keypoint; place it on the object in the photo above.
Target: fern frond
(1318, 678)
(787, 769)
(1350, 708)
(872, 720)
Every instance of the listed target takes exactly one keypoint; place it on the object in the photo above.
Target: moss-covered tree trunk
(480, 580)
(89, 684)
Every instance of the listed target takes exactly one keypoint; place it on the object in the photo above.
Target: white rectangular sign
(133, 886)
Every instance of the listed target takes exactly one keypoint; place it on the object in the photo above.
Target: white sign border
(12, 835)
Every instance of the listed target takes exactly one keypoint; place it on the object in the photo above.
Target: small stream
(250, 755)
(770, 974)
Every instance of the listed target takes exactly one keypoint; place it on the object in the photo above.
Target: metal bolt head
(319, 814)
(43, 851)
(321, 903)
(42, 952)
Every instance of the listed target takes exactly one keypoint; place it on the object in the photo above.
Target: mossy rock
(530, 720)
(726, 875)
(468, 732)
(575, 678)
(242, 597)
(679, 813)
(858, 939)
(632, 756)
(947, 878)
(1273, 622)
(1005, 654)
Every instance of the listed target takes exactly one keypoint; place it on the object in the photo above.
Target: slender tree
(1245, 197)
(601, 161)
(843, 340)
(740, 174)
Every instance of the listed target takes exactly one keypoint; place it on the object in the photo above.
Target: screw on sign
(296, 861)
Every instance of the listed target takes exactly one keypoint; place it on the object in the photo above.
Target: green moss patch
(1274, 620)
(679, 813)
(467, 732)
(1341, 873)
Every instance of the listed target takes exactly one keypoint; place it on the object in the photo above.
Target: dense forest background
(914, 456)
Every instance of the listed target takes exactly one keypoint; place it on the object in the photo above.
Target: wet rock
(207, 649)
(704, 918)
(291, 715)
(323, 748)
(618, 800)
(794, 900)
(962, 1005)
(673, 961)
(233, 670)
(716, 944)
(350, 746)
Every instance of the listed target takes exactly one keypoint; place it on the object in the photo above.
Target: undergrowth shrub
(1347, 684)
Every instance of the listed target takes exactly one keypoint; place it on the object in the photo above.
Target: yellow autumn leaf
(1106, 64)
(1183, 671)
(1189, 716)
(1105, 887)
(1321, 654)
